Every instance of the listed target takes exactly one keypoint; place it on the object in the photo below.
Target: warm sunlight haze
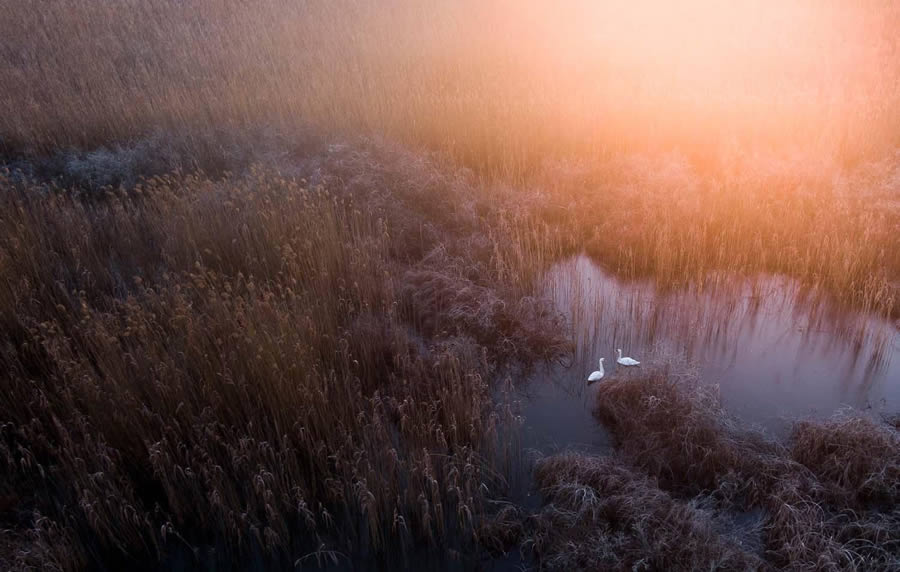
(450, 285)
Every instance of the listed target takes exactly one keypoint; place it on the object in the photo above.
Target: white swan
(626, 360)
(597, 375)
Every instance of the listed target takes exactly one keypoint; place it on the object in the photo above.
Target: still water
(774, 349)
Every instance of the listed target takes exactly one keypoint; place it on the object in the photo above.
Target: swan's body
(597, 375)
(626, 360)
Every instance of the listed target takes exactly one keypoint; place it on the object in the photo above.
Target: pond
(775, 350)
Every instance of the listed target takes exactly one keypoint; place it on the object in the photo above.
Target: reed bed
(233, 333)
(601, 514)
(787, 165)
(684, 474)
(252, 371)
(499, 87)
(662, 217)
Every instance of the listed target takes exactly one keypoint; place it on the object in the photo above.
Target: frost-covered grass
(223, 340)
(684, 474)
(256, 371)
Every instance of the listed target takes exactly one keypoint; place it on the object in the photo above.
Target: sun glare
(752, 48)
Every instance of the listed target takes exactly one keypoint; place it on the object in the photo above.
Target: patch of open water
(776, 350)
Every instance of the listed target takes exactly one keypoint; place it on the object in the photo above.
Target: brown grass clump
(855, 458)
(601, 514)
(678, 433)
(829, 500)
(448, 304)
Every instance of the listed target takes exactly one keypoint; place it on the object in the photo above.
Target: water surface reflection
(776, 350)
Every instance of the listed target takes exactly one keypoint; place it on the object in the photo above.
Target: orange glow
(785, 71)
(699, 46)
(502, 83)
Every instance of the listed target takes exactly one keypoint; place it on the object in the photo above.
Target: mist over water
(776, 351)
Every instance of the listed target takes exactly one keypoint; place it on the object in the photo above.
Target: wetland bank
(318, 286)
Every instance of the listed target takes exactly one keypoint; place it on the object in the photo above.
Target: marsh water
(774, 350)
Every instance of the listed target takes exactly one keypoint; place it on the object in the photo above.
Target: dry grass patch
(827, 499)
(602, 514)
(225, 371)
(856, 458)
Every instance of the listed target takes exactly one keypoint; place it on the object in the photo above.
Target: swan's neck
(619, 352)
(601, 368)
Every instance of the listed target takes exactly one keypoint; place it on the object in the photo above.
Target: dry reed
(240, 371)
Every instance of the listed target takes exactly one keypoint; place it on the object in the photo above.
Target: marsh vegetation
(317, 284)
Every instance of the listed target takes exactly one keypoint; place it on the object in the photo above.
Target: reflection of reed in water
(719, 321)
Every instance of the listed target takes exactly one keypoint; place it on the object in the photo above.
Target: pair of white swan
(626, 361)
